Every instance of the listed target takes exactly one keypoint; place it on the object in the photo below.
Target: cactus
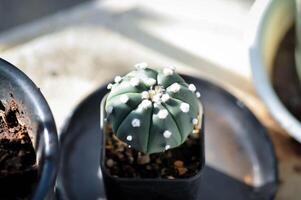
(152, 110)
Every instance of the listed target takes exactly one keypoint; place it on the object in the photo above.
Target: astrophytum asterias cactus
(152, 110)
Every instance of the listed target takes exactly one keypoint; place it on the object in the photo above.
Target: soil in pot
(284, 75)
(18, 170)
(181, 162)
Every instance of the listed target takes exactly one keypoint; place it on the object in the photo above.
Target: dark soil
(285, 78)
(181, 162)
(18, 171)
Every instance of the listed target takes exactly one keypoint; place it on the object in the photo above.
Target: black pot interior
(37, 116)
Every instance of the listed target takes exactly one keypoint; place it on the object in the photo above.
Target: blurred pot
(40, 120)
(270, 21)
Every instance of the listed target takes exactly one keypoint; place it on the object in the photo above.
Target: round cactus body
(152, 110)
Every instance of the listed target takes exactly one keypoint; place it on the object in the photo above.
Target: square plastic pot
(151, 188)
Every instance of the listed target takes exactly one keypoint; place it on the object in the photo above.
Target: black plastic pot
(39, 117)
(150, 189)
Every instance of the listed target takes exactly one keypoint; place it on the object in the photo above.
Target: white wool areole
(117, 79)
(195, 121)
(162, 114)
(192, 87)
(142, 65)
(129, 138)
(134, 82)
(136, 122)
(146, 104)
(150, 81)
(175, 87)
(184, 107)
(124, 98)
(168, 71)
(165, 97)
(167, 134)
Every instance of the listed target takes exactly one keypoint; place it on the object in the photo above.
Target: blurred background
(71, 47)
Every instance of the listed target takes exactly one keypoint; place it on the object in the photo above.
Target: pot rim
(46, 127)
(261, 13)
(125, 179)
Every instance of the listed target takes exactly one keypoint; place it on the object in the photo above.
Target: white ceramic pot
(270, 21)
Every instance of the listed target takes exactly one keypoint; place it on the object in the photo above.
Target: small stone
(117, 79)
(184, 107)
(129, 138)
(110, 163)
(136, 122)
(167, 134)
(198, 94)
(165, 97)
(192, 87)
(170, 177)
(144, 159)
(162, 114)
(142, 65)
(124, 98)
(178, 163)
(182, 170)
(158, 161)
(148, 167)
(175, 87)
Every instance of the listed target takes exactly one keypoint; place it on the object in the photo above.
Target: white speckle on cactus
(109, 109)
(167, 134)
(134, 82)
(124, 98)
(175, 87)
(192, 87)
(195, 121)
(142, 65)
(129, 138)
(168, 71)
(117, 79)
(136, 122)
(162, 114)
(146, 104)
(150, 81)
(167, 147)
(184, 107)
(198, 94)
(145, 95)
(130, 146)
(110, 85)
(165, 97)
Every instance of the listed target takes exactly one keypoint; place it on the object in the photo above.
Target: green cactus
(152, 110)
